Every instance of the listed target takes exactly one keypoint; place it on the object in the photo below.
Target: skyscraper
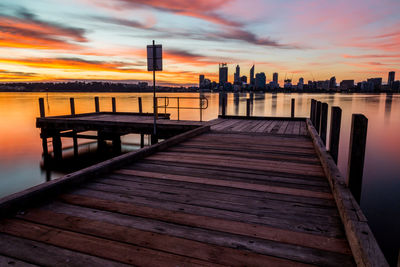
(201, 80)
(260, 80)
(223, 73)
(252, 81)
(275, 77)
(391, 79)
(332, 82)
(237, 75)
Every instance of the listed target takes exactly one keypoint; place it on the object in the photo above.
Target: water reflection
(21, 150)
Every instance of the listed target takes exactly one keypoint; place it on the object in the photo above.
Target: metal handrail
(203, 103)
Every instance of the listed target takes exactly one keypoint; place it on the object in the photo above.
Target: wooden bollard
(72, 105)
(97, 104)
(318, 116)
(324, 122)
(292, 108)
(140, 105)
(248, 108)
(312, 111)
(74, 137)
(114, 105)
(336, 119)
(41, 108)
(358, 141)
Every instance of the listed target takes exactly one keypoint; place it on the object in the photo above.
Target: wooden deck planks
(248, 193)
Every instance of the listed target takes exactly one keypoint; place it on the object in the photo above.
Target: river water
(21, 150)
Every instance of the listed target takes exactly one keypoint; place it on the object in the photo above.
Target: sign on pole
(154, 57)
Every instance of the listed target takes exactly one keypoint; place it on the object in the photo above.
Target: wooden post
(324, 122)
(177, 101)
(292, 108)
(140, 105)
(312, 111)
(41, 108)
(248, 107)
(74, 138)
(57, 146)
(336, 119)
(141, 140)
(72, 105)
(116, 144)
(97, 104)
(358, 141)
(114, 105)
(201, 108)
(318, 116)
(101, 142)
(223, 102)
(44, 144)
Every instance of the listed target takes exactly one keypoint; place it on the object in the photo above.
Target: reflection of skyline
(388, 107)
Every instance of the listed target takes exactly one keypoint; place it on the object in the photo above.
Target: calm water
(20, 145)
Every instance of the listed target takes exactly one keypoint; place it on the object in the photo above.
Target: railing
(203, 104)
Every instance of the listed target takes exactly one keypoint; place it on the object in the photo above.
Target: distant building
(391, 79)
(252, 80)
(237, 75)
(260, 81)
(223, 73)
(243, 79)
(300, 85)
(201, 80)
(375, 83)
(275, 77)
(332, 82)
(346, 84)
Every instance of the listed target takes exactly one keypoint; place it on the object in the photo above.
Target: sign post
(154, 63)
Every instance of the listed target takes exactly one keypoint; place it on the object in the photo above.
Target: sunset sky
(54, 40)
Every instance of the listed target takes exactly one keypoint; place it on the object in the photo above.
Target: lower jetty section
(236, 192)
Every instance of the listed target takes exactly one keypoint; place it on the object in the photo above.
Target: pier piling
(114, 105)
(336, 118)
(358, 140)
(248, 108)
(324, 122)
(292, 108)
(312, 111)
(318, 116)
(140, 105)
(97, 104)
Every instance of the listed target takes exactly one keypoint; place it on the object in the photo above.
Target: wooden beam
(334, 137)
(324, 121)
(358, 142)
(363, 245)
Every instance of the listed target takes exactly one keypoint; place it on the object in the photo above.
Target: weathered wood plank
(162, 242)
(47, 255)
(121, 252)
(257, 245)
(329, 228)
(7, 261)
(256, 187)
(240, 228)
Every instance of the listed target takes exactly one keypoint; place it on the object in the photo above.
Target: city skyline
(96, 40)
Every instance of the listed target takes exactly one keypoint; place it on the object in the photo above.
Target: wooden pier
(233, 192)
